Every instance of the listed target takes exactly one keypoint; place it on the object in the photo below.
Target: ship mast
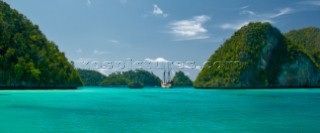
(166, 83)
(164, 77)
(169, 77)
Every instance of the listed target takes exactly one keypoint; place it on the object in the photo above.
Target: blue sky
(157, 30)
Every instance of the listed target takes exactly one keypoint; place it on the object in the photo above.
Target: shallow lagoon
(101, 110)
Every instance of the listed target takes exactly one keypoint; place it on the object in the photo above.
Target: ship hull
(166, 85)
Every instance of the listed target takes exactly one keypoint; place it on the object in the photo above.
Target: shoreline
(253, 88)
(23, 88)
(39, 88)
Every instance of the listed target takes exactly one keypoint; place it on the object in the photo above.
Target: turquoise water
(98, 110)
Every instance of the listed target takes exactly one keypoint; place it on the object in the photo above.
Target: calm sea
(155, 110)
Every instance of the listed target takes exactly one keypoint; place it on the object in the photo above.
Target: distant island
(260, 56)
(133, 79)
(143, 77)
(91, 77)
(181, 80)
(28, 60)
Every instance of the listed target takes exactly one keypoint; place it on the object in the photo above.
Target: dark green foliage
(90, 77)
(142, 76)
(135, 85)
(115, 79)
(308, 41)
(27, 58)
(124, 78)
(181, 80)
(253, 57)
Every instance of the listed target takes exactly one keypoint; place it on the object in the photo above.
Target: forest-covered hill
(28, 59)
(260, 56)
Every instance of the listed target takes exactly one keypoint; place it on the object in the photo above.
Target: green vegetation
(181, 80)
(115, 80)
(308, 40)
(91, 77)
(142, 77)
(135, 85)
(27, 58)
(256, 56)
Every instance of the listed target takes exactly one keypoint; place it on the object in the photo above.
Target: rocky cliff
(259, 56)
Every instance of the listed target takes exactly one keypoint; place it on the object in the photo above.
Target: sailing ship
(166, 83)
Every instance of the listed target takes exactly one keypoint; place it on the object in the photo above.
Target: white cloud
(157, 60)
(190, 29)
(114, 41)
(89, 2)
(84, 61)
(104, 71)
(158, 11)
(248, 12)
(79, 50)
(198, 67)
(188, 67)
(234, 26)
(245, 7)
(282, 12)
(255, 17)
(314, 3)
(97, 52)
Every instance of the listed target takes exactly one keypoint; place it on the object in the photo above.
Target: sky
(97, 33)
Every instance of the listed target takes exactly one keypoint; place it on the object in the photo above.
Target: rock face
(28, 59)
(300, 73)
(259, 56)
